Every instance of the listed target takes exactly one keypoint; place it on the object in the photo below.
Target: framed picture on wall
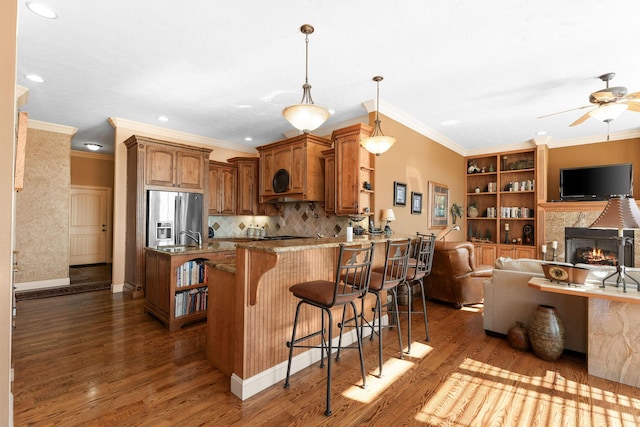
(416, 203)
(399, 194)
(438, 205)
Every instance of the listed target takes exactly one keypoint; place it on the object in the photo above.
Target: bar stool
(388, 278)
(351, 282)
(419, 266)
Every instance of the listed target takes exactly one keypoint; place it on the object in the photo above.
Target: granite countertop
(218, 246)
(314, 243)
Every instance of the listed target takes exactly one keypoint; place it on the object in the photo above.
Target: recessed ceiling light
(41, 10)
(542, 132)
(93, 146)
(332, 112)
(35, 78)
(248, 139)
(163, 118)
(451, 122)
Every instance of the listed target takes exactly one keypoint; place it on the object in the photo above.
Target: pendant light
(377, 143)
(306, 116)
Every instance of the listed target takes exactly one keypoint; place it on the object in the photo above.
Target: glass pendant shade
(608, 112)
(306, 116)
(377, 143)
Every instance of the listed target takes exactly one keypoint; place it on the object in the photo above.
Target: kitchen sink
(173, 249)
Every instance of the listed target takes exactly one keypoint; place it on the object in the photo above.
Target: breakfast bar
(251, 311)
(613, 349)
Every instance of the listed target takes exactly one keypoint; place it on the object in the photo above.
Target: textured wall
(42, 208)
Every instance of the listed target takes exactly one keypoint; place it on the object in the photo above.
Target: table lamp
(621, 213)
(387, 215)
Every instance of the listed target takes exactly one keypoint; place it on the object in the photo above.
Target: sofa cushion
(599, 272)
(525, 265)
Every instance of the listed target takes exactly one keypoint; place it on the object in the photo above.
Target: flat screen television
(596, 182)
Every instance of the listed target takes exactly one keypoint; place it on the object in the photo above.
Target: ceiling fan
(610, 103)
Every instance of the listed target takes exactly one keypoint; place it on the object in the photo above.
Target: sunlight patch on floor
(477, 387)
(419, 349)
(392, 370)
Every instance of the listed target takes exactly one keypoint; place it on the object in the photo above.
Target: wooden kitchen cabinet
(154, 164)
(222, 188)
(353, 167)
(177, 285)
(248, 200)
(329, 181)
(301, 157)
(174, 167)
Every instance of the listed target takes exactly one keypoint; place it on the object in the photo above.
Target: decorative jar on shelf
(472, 212)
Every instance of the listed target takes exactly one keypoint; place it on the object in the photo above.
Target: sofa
(455, 278)
(509, 299)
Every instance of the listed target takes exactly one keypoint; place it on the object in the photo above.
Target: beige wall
(602, 153)
(8, 31)
(415, 160)
(91, 169)
(42, 209)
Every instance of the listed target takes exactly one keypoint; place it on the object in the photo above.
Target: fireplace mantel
(572, 206)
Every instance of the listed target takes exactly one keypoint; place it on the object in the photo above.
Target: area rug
(67, 290)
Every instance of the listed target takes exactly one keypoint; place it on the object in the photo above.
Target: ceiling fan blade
(632, 97)
(582, 118)
(632, 106)
(565, 111)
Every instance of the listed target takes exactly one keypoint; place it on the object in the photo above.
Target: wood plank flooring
(97, 359)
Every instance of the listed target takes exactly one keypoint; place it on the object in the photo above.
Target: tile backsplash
(299, 219)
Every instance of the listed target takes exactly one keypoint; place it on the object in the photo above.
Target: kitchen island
(251, 311)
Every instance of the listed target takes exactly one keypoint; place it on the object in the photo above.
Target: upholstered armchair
(455, 277)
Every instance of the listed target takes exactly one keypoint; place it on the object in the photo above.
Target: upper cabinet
(248, 200)
(222, 188)
(174, 166)
(293, 168)
(354, 172)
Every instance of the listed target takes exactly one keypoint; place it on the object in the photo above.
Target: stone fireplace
(558, 216)
(596, 246)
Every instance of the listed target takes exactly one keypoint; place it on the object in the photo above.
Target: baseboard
(116, 289)
(42, 284)
(245, 388)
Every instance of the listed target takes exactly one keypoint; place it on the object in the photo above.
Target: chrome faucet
(194, 235)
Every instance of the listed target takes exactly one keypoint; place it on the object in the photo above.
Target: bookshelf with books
(177, 285)
(501, 204)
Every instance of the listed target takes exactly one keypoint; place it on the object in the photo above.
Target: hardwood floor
(96, 359)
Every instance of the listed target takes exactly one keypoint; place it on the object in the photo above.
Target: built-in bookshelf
(501, 204)
(177, 285)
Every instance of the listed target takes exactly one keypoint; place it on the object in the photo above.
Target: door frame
(109, 216)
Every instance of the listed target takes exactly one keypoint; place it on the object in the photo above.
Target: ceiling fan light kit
(306, 116)
(608, 112)
(377, 143)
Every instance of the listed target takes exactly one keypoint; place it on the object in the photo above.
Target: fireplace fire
(596, 256)
(596, 246)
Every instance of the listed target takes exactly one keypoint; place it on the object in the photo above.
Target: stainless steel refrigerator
(173, 216)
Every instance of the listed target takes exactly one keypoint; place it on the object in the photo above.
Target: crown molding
(411, 122)
(90, 155)
(171, 134)
(51, 127)
(22, 95)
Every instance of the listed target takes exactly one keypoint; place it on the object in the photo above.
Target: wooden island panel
(264, 310)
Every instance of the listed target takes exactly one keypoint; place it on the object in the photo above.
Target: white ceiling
(225, 69)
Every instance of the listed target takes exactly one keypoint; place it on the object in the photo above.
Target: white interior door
(88, 226)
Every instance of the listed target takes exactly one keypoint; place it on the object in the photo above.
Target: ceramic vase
(518, 337)
(472, 211)
(546, 333)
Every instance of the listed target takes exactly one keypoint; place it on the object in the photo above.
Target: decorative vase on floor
(518, 337)
(546, 333)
